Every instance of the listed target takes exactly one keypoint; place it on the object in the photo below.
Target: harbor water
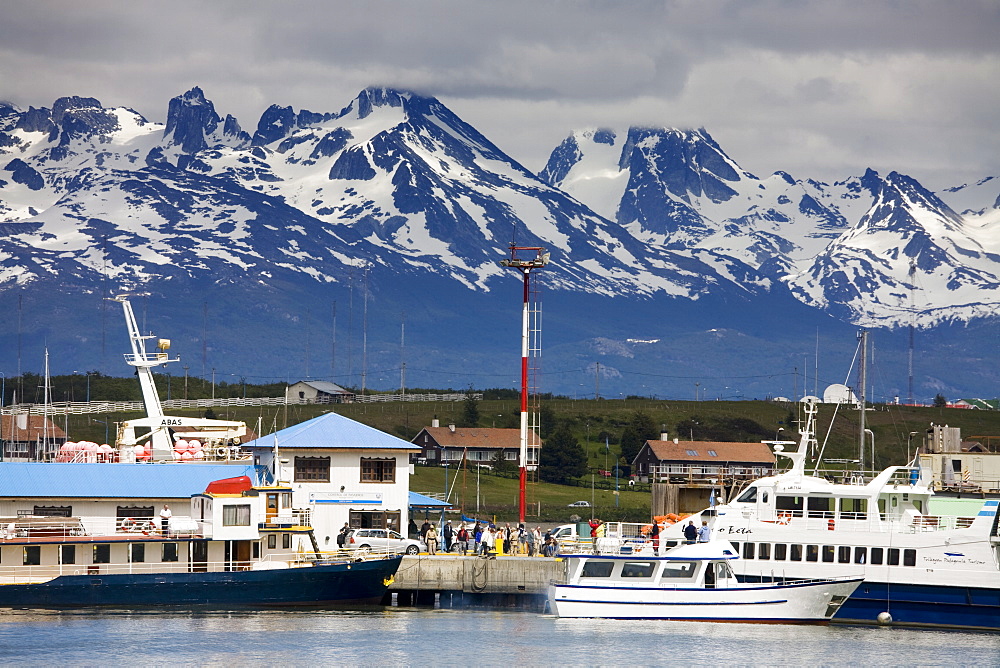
(398, 636)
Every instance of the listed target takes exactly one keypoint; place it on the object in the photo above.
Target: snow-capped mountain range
(873, 250)
(95, 200)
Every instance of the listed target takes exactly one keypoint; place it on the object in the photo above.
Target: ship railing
(75, 527)
(34, 573)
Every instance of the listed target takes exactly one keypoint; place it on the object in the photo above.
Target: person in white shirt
(165, 516)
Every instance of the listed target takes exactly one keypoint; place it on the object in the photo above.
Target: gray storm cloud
(820, 89)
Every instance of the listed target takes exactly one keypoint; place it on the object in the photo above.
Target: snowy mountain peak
(371, 98)
(193, 125)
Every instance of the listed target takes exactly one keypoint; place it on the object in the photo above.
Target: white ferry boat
(689, 582)
(919, 569)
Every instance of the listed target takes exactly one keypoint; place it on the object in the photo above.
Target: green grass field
(497, 496)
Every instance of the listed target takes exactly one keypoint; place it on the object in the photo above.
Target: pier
(452, 580)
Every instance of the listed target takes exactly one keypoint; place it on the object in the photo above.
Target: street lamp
(105, 427)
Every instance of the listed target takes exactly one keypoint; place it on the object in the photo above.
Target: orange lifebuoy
(784, 518)
(829, 524)
(128, 524)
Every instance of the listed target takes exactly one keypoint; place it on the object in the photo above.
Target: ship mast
(862, 382)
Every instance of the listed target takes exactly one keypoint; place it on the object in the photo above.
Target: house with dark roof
(477, 445)
(317, 392)
(694, 462)
(29, 438)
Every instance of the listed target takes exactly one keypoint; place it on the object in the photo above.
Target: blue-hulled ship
(241, 546)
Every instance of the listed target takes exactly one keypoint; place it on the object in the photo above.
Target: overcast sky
(822, 89)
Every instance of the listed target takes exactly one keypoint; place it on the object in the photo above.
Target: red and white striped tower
(525, 266)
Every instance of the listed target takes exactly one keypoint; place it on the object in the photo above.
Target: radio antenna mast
(530, 347)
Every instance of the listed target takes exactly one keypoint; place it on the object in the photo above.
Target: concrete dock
(455, 581)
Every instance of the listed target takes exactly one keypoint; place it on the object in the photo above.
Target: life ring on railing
(128, 524)
(222, 453)
(784, 518)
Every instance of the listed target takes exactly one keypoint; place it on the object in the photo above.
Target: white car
(382, 540)
(579, 504)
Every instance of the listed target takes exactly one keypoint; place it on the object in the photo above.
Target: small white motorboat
(690, 582)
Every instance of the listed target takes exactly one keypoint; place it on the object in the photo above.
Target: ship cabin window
(286, 499)
(312, 469)
(853, 509)
(272, 541)
(67, 554)
(749, 496)
(828, 553)
(795, 553)
(764, 496)
(893, 556)
(137, 553)
(844, 554)
(860, 555)
(102, 553)
(133, 511)
(909, 557)
(53, 511)
(256, 550)
(236, 515)
(764, 551)
(790, 504)
(780, 551)
(168, 552)
(378, 470)
(638, 569)
(675, 570)
(820, 506)
(32, 555)
(812, 553)
(597, 569)
(877, 556)
(286, 541)
(748, 550)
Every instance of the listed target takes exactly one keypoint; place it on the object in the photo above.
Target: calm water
(440, 637)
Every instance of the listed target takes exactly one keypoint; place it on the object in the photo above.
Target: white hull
(814, 602)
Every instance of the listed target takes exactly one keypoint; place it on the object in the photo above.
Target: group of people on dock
(487, 538)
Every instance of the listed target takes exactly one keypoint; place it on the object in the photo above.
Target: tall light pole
(909, 440)
(525, 266)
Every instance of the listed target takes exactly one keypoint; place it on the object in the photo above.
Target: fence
(83, 407)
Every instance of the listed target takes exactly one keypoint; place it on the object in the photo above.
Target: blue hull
(921, 605)
(924, 605)
(332, 584)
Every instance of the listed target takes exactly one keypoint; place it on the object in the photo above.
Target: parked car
(382, 540)
(579, 504)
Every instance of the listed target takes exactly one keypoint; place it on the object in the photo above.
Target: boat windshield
(597, 569)
(749, 496)
(678, 569)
